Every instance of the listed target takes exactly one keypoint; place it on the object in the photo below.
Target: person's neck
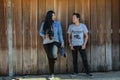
(77, 23)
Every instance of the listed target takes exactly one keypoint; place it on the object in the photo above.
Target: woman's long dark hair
(48, 21)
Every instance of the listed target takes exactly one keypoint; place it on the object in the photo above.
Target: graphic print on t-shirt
(77, 34)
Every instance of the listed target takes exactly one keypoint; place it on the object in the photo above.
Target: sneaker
(51, 77)
(88, 74)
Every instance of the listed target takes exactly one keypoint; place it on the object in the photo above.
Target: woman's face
(53, 16)
(75, 19)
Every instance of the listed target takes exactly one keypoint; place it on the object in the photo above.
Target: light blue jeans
(51, 50)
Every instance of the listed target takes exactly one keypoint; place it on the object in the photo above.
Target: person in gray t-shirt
(77, 38)
(77, 34)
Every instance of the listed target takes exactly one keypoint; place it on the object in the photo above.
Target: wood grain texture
(115, 34)
(94, 34)
(63, 13)
(71, 10)
(17, 31)
(43, 66)
(108, 36)
(3, 38)
(100, 16)
(86, 21)
(101, 34)
(26, 37)
(33, 33)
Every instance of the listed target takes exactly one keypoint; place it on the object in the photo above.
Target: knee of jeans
(54, 51)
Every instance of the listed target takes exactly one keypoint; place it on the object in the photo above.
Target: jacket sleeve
(41, 32)
(60, 35)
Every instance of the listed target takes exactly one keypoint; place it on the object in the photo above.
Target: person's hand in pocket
(71, 47)
(83, 46)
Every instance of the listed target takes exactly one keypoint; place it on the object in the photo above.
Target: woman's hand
(46, 36)
(62, 46)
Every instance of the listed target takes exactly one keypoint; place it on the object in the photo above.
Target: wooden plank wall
(102, 18)
(3, 38)
(116, 34)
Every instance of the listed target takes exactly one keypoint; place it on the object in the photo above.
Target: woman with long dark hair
(51, 32)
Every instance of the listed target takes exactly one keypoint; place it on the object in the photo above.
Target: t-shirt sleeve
(85, 29)
(69, 30)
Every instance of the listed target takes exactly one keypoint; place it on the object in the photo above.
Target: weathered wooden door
(27, 56)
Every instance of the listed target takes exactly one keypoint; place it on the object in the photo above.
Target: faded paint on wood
(108, 36)
(10, 54)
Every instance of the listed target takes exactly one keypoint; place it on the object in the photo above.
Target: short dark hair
(77, 15)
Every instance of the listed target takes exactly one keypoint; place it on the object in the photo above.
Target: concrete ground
(80, 76)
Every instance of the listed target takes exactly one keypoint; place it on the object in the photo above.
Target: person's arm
(69, 38)
(41, 32)
(69, 41)
(85, 42)
(85, 37)
(61, 35)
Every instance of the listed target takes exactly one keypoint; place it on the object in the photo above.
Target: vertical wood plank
(3, 38)
(86, 20)
(10, 55)
(49, 5)
(71, 10)
(26, 37)
(108, 36)
(78, 6)
(94, 33)
(1, 10)
(101, 35)
(17, 36)
(33, 34)
(13, 37)
(63, 16)
(56, 5)
(42, 68)
(115, 34)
